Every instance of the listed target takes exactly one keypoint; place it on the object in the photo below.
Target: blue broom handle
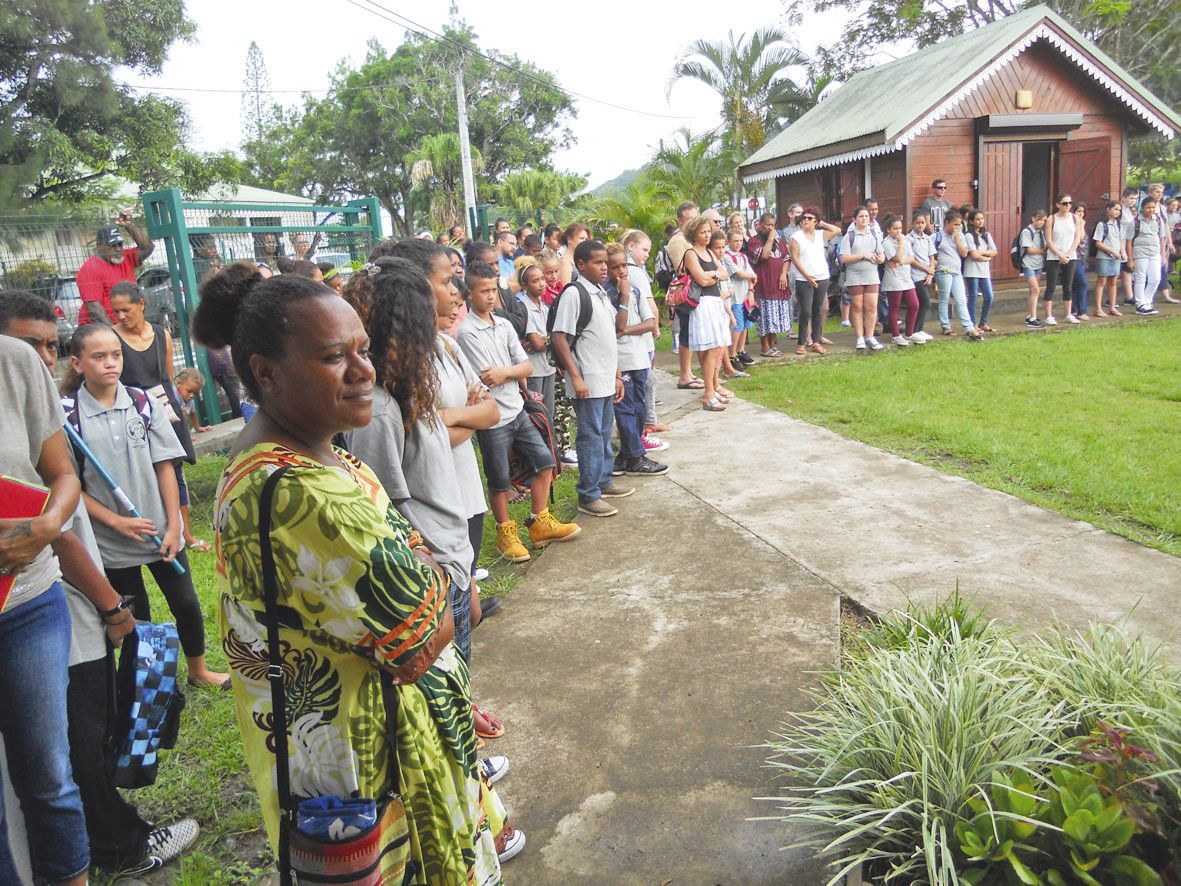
(120, 495)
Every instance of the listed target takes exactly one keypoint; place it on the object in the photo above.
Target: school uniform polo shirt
(129, 451)
(535, 324)
(488, 344)
(596, 351)
(633, 354)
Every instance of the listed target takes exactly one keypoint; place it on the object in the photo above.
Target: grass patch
(1083, 423)
(205, 776)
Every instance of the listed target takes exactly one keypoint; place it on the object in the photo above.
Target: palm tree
(534, 190)
(641, 206)
(758, 96)
(436, 173)
(697, 170)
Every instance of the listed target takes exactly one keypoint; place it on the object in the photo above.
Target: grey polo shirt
(494, 344)
(1146, 243)
(32, 414)
(88, 637)
(455, 378)
(129, 452)
(639, 279)
(596, 352)
(542, 368)
(633, 353)
(418, 474)
(1032, 237)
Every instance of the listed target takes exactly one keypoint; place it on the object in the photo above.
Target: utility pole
(465, 148)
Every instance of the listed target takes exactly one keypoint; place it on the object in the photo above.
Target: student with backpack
(1028, 255)
(583, 337)
(120, 840)
(492, 346)
(634, 319)
(130, 435)
(1146, 244)
(638, 246)
(1107, 245)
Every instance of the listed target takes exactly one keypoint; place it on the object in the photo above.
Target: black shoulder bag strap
(270, 597)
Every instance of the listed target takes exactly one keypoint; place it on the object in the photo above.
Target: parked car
(62, 293)
(159, 305)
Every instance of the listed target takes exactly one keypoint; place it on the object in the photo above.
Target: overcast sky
(623, 58)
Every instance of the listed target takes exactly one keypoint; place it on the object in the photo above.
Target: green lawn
(1086, 422)
(205, 776)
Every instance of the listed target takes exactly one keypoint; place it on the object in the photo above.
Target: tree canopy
(66, 122)
(397, 105)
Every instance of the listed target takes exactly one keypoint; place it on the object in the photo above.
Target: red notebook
(18, 499)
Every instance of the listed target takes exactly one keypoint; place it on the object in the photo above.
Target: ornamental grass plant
(939, 752)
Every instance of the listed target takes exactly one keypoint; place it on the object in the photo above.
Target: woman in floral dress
(356, 597)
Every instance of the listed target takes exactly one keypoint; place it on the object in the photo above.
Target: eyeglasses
(1065, 203)
(807, 218)
(940, 187)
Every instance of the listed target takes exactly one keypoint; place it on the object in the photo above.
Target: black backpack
(1016, 253)
(664, 269)
(513, 310)
(1093, 248)
(585, 310)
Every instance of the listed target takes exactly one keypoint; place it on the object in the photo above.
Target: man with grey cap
(110, 265)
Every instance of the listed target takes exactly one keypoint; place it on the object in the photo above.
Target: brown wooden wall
(803, 187)
(887, 180)
(948, 149)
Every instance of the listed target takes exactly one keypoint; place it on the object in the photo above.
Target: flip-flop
(695, 385)
(485, 733)
(200, 546)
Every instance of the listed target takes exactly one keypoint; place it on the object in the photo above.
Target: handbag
(680, 290)
(377, 855)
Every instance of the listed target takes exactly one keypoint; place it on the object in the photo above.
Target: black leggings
(475, 534)
(1056, 270)
(178, 591)
(923, 291)
(813, 302)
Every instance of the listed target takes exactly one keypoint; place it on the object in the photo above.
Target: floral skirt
(774, 316)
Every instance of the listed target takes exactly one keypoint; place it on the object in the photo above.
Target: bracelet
(115, 610)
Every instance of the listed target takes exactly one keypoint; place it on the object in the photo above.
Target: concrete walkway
(637, 667)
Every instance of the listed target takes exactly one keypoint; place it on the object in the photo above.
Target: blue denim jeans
(1078, 289)
(951, 286)
(979, 286)
(34, 662)
(629, 413)
(595, 417)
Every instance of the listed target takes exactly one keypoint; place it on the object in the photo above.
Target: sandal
(695, 385)
(490, 730)
(515, 496)
(739, 375)
(801, 351)
(817, 349)
(825, 341)
(984, 327)
(1114, 311)
(714, 405)
(200, 546)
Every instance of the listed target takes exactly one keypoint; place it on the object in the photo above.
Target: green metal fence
(199, 237)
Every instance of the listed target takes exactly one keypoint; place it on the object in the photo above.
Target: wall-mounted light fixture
(1024, 99)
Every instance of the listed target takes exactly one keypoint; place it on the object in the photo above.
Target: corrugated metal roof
(893, 97)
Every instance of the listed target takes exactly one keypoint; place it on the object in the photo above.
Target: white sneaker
(480, 574)
(513, 847)
(166, 844)
(925, 335)
(1071, 318)
(494, 768)
(873, 342)
(569, 458)
(846, 322)
(860, 344)
(1050, 321)
(917, 339)
(901, 340)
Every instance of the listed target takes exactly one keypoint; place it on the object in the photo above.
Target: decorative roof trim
(834, 160)
(1041, 32)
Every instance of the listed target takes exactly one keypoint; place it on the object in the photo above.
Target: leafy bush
(948, 751)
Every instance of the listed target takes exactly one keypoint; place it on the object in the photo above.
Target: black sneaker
(644, 467)
(1034, 323)
(745, 359)
(620, 466)
(1147, 311)
(1129, 301)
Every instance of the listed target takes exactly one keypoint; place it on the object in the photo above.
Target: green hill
(616, 184)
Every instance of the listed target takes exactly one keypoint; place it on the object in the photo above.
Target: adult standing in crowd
(110, 265)
(676, 248)
(1062, 239)
(936, 205)
(381, 624)
(575, 233)
(810, 259)
(768, 253)
(35, 627)
(711, 322)
(794, 211)
(506, 252)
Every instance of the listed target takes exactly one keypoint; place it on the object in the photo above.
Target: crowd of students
(374, 395)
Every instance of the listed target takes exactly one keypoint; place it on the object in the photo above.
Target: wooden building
(1009, 114)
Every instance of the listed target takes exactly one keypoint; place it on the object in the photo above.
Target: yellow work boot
(509, 543)
(546, 528)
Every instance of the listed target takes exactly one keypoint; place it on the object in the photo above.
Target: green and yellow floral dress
(350, 591)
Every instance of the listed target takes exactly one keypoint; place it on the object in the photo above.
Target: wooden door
(1084, 172)
(850, 191)
(1000, 198)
